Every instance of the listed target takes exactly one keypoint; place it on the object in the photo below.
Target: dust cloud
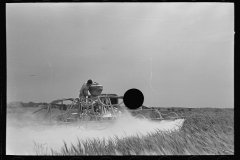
(27, 131)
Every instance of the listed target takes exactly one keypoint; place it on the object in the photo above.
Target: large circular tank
(95, 89)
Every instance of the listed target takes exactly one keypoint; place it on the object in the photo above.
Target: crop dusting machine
(97, 108)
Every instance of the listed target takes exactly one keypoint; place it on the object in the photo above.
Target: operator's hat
(89, 81)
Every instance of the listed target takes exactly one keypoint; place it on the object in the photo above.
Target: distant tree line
(174, 109)
(32, 104)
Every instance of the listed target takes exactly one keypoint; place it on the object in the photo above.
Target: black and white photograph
(120, 78)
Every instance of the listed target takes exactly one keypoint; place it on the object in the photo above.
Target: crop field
(206, 131)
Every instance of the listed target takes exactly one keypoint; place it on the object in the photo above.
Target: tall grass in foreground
(204, 132)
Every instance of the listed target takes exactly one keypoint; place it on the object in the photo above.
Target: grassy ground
(205, 131)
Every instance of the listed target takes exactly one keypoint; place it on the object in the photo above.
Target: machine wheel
(156, 114)
(139, 116)
(172, 115)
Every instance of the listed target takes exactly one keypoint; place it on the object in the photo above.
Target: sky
(176, 54)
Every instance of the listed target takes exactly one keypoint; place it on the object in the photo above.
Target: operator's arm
(89, 94)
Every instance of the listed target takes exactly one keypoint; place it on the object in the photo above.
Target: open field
(206, 131)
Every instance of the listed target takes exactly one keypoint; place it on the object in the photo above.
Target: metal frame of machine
(100, 108)
(93, 108)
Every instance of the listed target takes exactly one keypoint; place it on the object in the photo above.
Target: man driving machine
(84, 90)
